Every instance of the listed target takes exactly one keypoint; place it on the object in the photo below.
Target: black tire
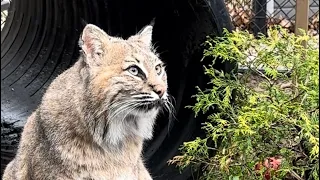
(39, 41)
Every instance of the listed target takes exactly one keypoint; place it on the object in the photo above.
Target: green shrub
(267, 120)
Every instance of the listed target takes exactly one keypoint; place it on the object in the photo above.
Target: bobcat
(95, 116)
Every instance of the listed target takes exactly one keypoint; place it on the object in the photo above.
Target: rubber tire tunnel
(40, 40)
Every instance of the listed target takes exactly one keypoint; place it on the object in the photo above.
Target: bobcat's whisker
(171, 99)
(141, 96)
(124, 117)
(124, 106)
(171, 107)
(111, 107)
(120, 110)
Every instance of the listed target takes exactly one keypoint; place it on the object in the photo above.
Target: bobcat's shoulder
(94, 117)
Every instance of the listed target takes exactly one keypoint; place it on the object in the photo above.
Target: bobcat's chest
(110, 174)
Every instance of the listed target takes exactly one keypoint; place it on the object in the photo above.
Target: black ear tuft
(152, 22)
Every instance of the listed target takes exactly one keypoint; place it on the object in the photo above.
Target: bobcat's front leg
(143, 172)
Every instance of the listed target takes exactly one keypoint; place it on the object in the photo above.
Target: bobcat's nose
(159, 90)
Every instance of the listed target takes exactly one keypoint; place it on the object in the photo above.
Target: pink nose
(160, 92)
(159, 89)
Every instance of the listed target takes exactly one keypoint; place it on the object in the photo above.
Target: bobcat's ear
(144, 35)
(92, 42)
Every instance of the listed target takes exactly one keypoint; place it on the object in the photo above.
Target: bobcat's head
(125, 81)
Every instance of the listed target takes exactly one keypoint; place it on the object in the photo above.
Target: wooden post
(302, 18)
(302, 21)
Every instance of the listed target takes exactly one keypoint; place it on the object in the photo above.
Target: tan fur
(79, 130)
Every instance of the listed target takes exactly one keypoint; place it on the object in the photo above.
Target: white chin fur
(145, 123)
(119, 129)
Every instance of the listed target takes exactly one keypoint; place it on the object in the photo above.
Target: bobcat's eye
(158, 69)
(134, 70)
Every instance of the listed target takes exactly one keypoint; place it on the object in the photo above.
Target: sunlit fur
(94, 117)
(123, 94)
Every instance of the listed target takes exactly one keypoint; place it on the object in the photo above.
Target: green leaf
(262, 119)
(233, 177)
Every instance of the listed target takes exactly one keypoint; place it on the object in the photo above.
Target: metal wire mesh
(314, 17)
(257, 15)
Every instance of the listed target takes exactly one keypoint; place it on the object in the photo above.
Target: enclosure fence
(258, 15)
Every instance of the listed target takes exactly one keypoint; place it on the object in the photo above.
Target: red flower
(271, 163)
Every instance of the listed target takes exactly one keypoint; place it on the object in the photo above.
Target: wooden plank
(302, 20)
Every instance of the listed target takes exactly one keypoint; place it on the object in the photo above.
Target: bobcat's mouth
(147, 102)
(151, 105)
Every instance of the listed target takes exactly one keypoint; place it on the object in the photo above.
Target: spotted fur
(94, 117)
